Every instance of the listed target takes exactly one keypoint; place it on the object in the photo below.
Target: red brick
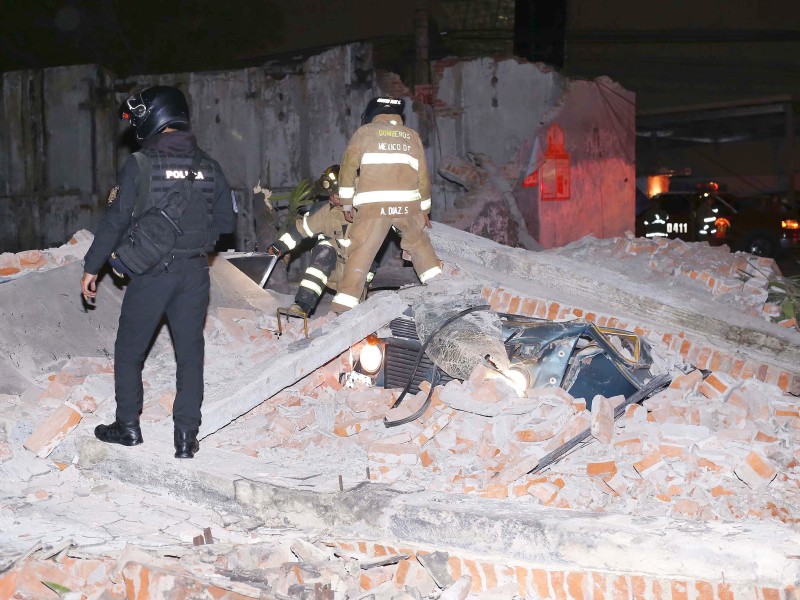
(601, 469)
(542, 584)
(598, 586)
(55, 428)
(577, 586)
(704, 590)
(552, 311)
(725, 592)
(679, 590)
(528, 307)
(620, 589)
(638, 587)
(717, 386)
(557, 583)
(521, 574)
(687, 381)
(756, 471)
(454, 567)
(474, 572)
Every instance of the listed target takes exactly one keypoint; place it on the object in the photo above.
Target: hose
(435, 376)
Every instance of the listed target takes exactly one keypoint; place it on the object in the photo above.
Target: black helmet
(154, 109)
(382, 105)
(328, 182)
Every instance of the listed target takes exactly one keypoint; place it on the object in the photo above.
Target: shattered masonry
(308, 495)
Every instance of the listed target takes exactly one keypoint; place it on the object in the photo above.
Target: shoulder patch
(112, 195)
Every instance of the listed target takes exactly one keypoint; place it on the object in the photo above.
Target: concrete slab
(567, 281)
(250, 388)
(233, 289)
(45, 323)
(512, 532)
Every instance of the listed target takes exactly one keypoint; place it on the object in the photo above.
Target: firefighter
(330, 224)
(178, 289)
(384, 177)
(706, 217)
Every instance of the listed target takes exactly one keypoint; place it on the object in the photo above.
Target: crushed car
(438, 342)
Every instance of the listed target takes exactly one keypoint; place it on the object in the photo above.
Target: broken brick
(717, 386)
(601, 469)
(687, 381)
(55, 428)
(602, 419)
(755, 471)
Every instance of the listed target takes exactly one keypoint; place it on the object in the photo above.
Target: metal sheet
(258, 266)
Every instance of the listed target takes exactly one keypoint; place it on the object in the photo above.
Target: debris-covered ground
(710, 448)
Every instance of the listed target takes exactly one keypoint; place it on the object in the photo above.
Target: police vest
(197, 221)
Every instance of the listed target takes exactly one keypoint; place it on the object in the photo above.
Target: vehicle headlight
(518, 379)
(371, 356)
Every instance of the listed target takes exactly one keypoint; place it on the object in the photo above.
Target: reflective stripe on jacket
(390, 161)
(323, 221)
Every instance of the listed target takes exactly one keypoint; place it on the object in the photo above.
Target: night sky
(133, 37)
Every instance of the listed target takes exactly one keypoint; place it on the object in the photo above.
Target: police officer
(393, 189)
(329, 223)
(179, 288)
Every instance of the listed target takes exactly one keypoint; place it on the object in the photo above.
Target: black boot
(186, 443)
(127, 434)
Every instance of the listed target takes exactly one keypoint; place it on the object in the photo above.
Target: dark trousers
(182, 295)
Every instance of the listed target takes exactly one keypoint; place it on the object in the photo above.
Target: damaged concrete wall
(56, 126)
(275, 125)
(58, 129)
(504, 109)
(60, 144)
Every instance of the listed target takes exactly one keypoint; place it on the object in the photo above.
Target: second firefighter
(329, 223)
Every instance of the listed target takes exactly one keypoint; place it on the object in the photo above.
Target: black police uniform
(180, 290)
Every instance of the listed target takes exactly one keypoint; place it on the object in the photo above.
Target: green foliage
(57, 588)
(290, 203)
(785, 291)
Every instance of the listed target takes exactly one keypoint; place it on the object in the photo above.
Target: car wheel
(761, 243)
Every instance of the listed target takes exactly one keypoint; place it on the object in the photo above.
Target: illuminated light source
(518, 380)
(790, 224)
(656, 184)
(721, 225)
(371, 356)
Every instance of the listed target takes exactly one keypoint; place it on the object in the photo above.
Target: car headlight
(371, 356)
(518, 379)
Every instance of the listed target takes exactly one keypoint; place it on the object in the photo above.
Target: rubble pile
(68, 536)
(17, 265)
(711, 449)
(737, 279)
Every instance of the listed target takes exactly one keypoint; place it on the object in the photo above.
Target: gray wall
(55, 164)
(61, 143)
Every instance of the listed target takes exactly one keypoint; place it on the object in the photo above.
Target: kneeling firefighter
(178, 285)
(329, 223)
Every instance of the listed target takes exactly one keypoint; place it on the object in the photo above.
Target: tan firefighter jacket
(325, 222)
(384, 166)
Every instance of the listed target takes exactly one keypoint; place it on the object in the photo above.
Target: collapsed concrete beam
(547, 275)
(44, 310)
(45, 323)
(298, 359)
(657, 547)
(231, 288)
